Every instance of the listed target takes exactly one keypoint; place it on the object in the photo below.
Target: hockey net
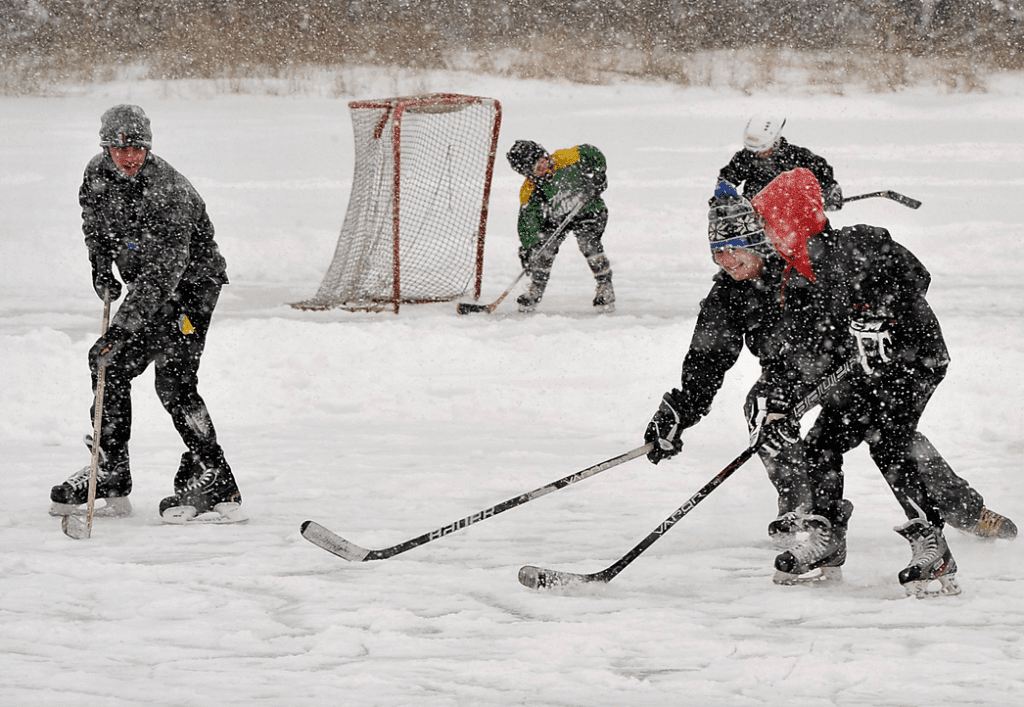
(415, 224)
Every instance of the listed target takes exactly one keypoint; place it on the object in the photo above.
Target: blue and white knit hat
(733, 223)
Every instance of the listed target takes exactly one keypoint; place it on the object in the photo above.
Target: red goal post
(417, 216)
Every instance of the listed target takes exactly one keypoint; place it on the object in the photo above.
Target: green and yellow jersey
(579, 171)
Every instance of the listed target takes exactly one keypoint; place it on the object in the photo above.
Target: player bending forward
(562, 193)
(793, 302)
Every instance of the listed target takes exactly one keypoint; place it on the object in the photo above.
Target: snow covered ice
(383, 427)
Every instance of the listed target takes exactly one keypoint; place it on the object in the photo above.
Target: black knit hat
(125, 126)
(524, 155)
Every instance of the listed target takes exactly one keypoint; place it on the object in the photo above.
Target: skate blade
(948, 586)
(119, 507)
(604, 308)
(222, 514)
(826, 575)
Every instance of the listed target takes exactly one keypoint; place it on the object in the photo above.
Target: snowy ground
(383, 427)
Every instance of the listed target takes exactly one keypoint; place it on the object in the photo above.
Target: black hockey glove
(103, 279)
(107, 346)
(776, 435)
(770, 429)
(874, 343)
(834, 198)
(665, 431)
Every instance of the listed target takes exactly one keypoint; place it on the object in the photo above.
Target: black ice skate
(528, 300)
(931, 561)
(113, 484)
(824, 549)
(993, 525)
(604, 297)
(210, 495)
(784, 531)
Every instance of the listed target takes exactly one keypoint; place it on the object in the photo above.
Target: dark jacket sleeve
(714, 348)
(819, 166)
(737, 171)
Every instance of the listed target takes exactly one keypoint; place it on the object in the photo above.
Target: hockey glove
(834, 198)
(107, 346)
(665, 431)
(103, 279)
(777, 434)
(770, 429)
(874, 343)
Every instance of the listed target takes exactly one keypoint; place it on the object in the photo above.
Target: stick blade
(75, 527)
(905, 200)
(332, 542)
(539, 578)
(469, 308)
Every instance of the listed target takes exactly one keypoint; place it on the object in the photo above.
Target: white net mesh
(429, 249)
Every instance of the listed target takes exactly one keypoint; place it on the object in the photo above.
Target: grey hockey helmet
(125, 126)
(733, 224)
(524, 155)
(763, 131)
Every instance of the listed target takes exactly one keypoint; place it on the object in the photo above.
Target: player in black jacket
(766, 155)
(140, 213)
(796, 319)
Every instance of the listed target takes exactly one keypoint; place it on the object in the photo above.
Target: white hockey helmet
(763, 132)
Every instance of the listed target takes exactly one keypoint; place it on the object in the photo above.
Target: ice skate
(113, 484)
(931, 561)
(211, 496)
(824, 549)
(529, 300)
(993, 525)
(604, 297)
(784, 531)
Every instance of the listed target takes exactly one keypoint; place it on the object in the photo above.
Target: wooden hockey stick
(72, 525)
(538, 578)
(334, 543)
(888, 194)
(469, 307)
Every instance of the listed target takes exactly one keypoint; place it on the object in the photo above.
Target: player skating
(140, 213)
(798, 328)
(555, 186)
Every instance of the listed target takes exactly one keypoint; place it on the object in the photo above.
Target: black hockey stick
(888, 194)
(470, 307)
(73, 526)
(334, 543)
(539, 578)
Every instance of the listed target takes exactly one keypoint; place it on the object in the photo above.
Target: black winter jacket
(799, 330)
(755, 173)
(154, 226)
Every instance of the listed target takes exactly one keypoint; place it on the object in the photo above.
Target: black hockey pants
(174, 346)
(588, 229)
(884, 412)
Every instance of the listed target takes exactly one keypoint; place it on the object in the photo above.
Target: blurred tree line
(81, 39)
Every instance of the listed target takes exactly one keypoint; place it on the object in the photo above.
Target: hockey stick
(539, 578)
(469, 307)
(73, 526)
(322, 537)
(888, 194)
